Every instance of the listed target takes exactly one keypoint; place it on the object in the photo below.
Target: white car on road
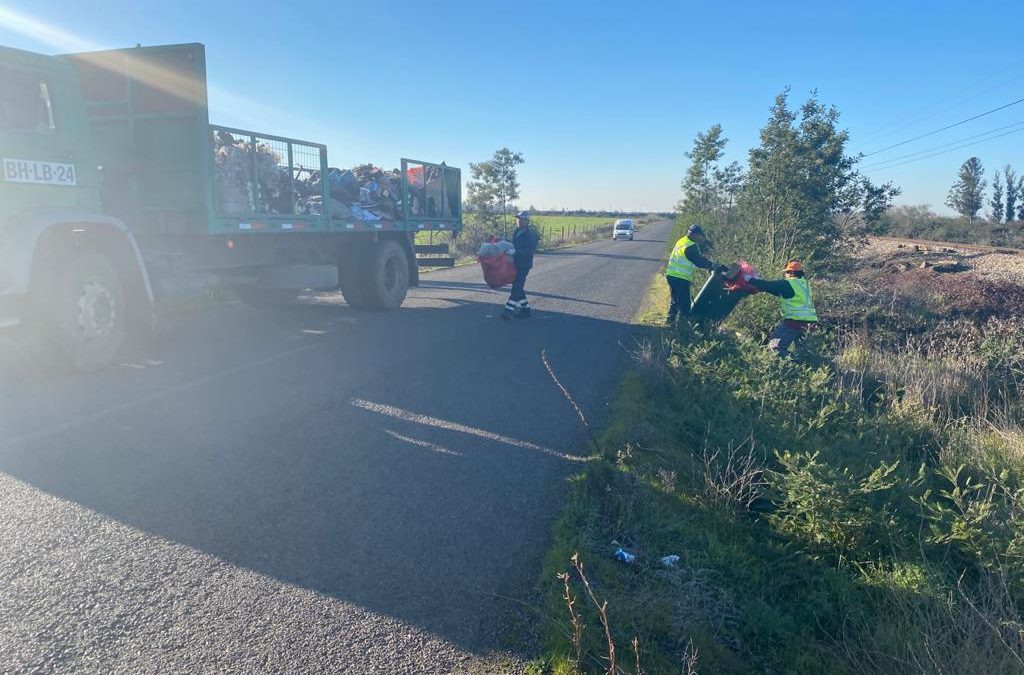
(623, 229)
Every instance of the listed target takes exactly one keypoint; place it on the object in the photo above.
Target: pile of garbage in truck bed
(365, 193)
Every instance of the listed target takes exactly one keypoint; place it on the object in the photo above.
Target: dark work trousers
(517, 300)
(519, 286)
(787, 334)
(680, 304)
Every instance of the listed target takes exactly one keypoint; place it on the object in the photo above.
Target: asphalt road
(307, 490)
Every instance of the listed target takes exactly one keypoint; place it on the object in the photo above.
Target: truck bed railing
(431, 192)
(267, 176)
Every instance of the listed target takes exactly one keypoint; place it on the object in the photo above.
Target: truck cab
(63, 262)
(46, 148)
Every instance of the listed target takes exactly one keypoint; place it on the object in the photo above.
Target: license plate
(41, 173)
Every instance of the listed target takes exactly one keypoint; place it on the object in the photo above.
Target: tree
(802, 197)
(965, 197)
(493, 188)
(862, 205)
(996, 203)
(729, 183)
(1014, 190)
(698, 186)
(709, 190)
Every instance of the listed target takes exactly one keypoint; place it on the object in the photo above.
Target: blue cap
(523, 215)
(695, 229)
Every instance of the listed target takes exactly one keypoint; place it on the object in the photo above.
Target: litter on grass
(624, 555)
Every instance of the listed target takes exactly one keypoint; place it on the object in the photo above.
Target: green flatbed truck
(117, 195)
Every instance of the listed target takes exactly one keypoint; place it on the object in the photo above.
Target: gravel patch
(945, 258)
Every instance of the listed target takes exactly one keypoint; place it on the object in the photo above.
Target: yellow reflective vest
(801, 306)
(679, 265)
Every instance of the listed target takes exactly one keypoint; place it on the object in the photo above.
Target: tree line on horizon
(967, 195)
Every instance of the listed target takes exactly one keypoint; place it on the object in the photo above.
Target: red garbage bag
(499, 270)
(740, 280)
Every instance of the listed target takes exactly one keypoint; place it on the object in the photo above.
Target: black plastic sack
(715, 302)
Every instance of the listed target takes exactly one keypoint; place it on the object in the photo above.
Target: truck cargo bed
(167, 171)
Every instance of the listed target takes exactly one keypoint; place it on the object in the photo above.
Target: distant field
(565, 226)
(569, 221)
(553, 227)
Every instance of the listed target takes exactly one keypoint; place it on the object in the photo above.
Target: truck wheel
(351, 279)
(83, 309)
(265, 297)
(386, 276)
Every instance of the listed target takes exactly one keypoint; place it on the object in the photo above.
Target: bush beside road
(860, 512)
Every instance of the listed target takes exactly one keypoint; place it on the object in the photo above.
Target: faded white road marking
(423, 444)
(416, 418)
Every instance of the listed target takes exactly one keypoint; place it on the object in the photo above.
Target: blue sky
(602, 100)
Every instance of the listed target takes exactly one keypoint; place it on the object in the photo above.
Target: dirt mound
(947, 292)
(982, 298)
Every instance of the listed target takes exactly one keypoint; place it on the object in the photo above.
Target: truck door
(38, 163)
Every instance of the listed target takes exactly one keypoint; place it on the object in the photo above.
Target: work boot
(524, 313)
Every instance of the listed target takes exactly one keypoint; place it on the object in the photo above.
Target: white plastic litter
(489, 248)
(624, 555)
(359, 213)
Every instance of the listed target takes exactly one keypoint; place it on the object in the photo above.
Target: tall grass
(859, 512)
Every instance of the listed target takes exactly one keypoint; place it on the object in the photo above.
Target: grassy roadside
(860, 513)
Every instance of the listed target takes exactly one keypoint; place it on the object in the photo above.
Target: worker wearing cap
(796, 303)
(685, 259)
(524, 239)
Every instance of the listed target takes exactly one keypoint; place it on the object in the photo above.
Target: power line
(943, 152)
(944, 145)
(897, 126)
(949, 126)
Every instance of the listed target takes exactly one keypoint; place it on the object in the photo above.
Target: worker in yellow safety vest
(685, 259)
(796, 302)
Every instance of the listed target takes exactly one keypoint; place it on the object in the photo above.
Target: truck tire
(82, 308)
(352, 282)
(265, 297)
(385, 279)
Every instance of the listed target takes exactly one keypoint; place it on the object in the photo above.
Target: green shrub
(829, 509)
(880, 522)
